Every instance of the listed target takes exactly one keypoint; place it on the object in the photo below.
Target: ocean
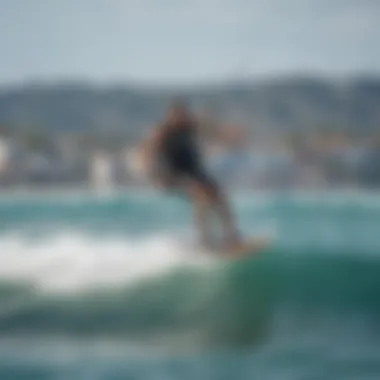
(113, 287)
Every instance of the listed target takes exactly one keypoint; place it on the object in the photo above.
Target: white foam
(73, 262)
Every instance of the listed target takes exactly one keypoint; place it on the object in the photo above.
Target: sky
(185, 41)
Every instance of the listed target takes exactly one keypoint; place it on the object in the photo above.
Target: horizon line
(185, 85)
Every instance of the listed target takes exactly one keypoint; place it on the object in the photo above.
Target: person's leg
(170, 177)
(202, 213)
(208, 199)
(204, 223)
(226, 218)
(164, 177)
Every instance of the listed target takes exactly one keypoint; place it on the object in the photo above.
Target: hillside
(288, 104)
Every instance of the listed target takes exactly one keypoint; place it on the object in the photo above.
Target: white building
(5, 156)
(101, 172)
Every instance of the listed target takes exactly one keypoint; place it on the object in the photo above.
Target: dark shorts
(185, 169)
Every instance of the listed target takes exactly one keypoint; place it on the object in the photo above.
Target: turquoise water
(113, 288)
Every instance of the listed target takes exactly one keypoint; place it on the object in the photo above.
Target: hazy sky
(185, 40)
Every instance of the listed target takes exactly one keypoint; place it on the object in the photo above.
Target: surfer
(173, 155)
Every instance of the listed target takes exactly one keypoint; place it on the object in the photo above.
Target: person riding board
(173, 154)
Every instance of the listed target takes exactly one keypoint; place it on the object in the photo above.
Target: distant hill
(287, 104)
